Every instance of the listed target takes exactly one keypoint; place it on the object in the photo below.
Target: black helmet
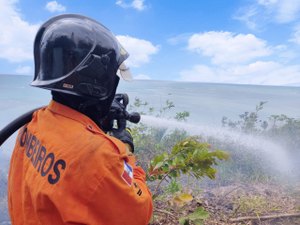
(76, 55)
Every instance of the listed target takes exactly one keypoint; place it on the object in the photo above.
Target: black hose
(13, 126)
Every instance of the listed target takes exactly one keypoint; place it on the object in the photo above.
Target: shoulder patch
(127, 174)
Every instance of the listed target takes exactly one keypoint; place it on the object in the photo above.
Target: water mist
(274, 155)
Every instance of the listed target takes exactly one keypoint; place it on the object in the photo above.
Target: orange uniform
(65, 170)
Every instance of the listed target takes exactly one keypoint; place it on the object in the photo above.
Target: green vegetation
(282, 128)
(244, 164)
(186, 157)
(257, 205)
(189, 157)
(197, 217)
(177, 164)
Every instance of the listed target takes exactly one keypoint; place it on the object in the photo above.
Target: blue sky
(220, 41)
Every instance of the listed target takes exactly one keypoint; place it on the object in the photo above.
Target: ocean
(207, 103)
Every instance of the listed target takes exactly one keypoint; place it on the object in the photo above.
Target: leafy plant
(197, 217)
(249, 121)
(173, 187)
(187, 157)
(182, 116)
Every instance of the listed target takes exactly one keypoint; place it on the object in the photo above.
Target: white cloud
(136, 4)
(179, 39)
(263, 12)
(255, 16)
(259, 72)
(241, 59)
(17, 35)
(267, 2)
(285, 53)
(247, 16)
(228, 48)
(24, 70)
(284, 11)
(296, 35)
(140, 50)
(142, 77)
(54, 6)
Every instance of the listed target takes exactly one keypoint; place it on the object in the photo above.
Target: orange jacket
(65, 170)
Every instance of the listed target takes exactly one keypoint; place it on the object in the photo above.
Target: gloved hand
(125, 136)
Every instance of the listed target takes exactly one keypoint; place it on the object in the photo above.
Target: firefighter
(65, 169)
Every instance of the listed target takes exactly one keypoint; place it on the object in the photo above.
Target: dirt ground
(240, 204)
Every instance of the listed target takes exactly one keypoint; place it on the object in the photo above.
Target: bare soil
(240, 204)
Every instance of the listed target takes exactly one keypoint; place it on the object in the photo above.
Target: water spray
(277, 154)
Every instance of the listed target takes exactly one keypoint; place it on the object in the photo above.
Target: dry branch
(164, 211)
(278, 216)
